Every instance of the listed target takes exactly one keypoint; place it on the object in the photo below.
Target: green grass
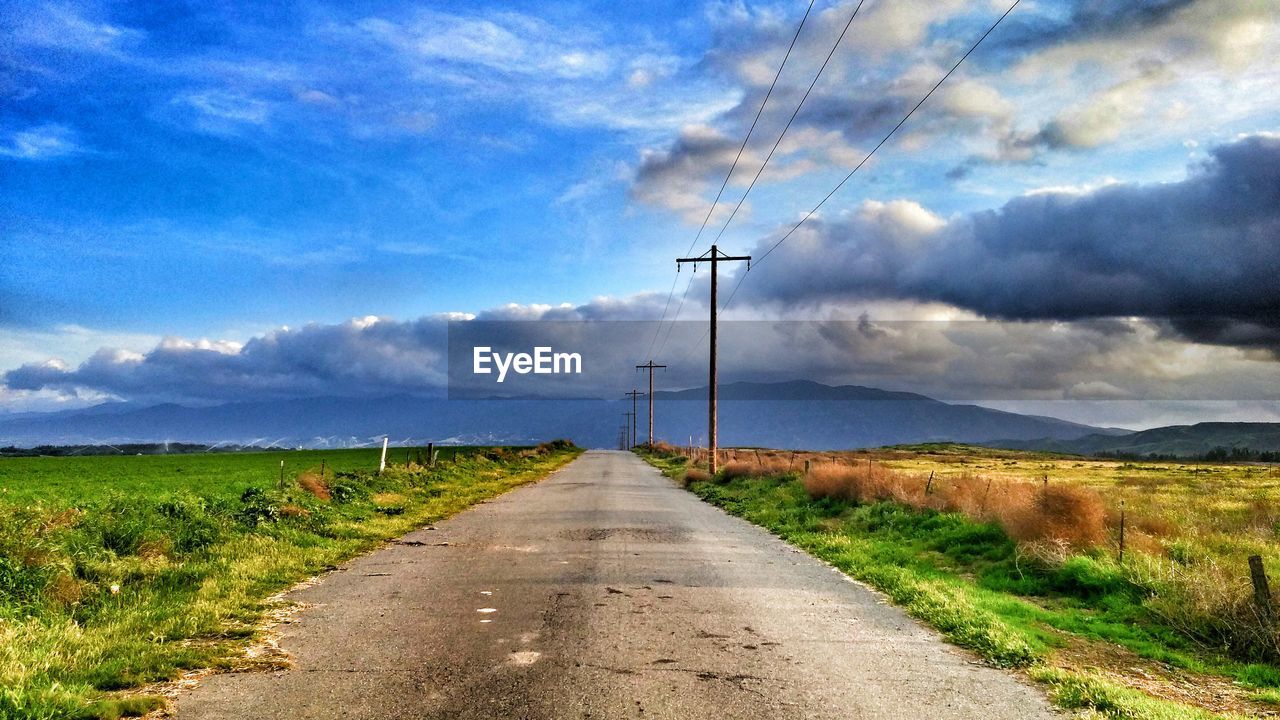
(53, 479)
(194, 558)
(976, 586)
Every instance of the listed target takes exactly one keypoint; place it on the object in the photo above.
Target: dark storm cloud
(1205, 247)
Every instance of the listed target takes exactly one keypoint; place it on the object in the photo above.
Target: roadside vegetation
(1017, 557)
(120, 572)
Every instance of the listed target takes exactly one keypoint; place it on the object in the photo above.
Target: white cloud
(43, 142)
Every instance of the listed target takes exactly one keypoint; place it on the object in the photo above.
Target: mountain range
(795, 414)
(787, 414)
(1175, 440)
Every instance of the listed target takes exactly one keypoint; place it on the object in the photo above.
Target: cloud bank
(1201, 252)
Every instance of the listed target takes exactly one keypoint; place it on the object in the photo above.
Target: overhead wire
(868, 156)
(776, 143)
(790, 120)
(727, 176)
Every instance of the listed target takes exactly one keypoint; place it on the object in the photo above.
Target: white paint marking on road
(486, 610)
(486, 592)
(486, 620)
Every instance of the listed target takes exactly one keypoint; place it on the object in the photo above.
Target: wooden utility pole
(627, 427)
(715, 257)
(650, 366)
(634, 394)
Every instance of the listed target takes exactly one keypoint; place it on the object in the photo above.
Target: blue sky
(214, 173)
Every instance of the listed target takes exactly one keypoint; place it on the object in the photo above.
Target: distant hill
(1175, 440)
(797, 414)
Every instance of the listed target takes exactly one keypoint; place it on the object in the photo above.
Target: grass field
(117, 573)
(226, 475)
(1016, 556)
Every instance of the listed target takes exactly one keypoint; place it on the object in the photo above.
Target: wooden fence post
(431, 454)
(1261, 588)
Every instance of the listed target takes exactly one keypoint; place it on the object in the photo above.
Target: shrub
(735, 469)
(693, 475)
(1066, 513)
(192, 523)
(257, 508)
(836, 482)
(343, 493)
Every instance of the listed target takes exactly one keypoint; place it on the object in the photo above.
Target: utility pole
(650, 366)
(634, 394)
(715, 257)
(626, 428)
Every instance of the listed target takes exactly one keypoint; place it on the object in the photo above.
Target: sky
(202, 202)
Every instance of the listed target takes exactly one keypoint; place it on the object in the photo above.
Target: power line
(790, 120)
(732, 167)
(835, 46)
(880, 144)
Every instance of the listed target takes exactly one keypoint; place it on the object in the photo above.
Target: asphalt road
(606, 592)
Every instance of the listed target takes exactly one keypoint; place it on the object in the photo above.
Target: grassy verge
(1080, 624)
(111, 593)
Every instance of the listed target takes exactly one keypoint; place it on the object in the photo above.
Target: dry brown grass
(154, 548)
(736, 469)
(1067, 514)
(662, 447)
(693, 475)
(64, 589)
(294, 511)
(314, 484)
(1062, 513)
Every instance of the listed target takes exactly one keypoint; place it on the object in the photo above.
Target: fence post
(1121, 558)
(282, 473)
(382, 464)
(431, 454)
(1261, 588)
(928, 484)
(806, 468)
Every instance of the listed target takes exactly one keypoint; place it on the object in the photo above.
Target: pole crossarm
(650, 366)
(635, 417)
(714, 255)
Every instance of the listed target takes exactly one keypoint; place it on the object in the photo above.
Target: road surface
(606, 592)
